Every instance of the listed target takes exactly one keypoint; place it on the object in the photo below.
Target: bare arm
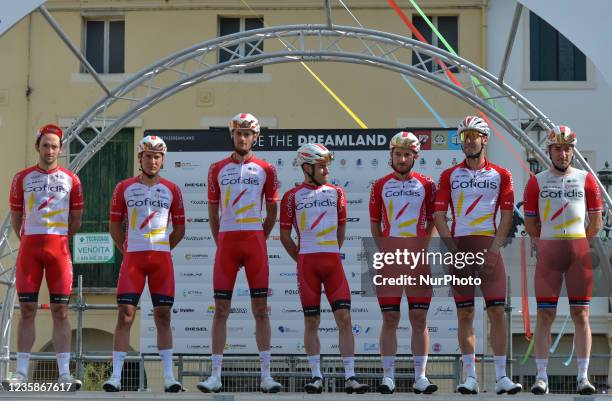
(117, 234)
(430, 230)
(288, 243)
(178, 232)
(505, 224)
(533, 226)
(74, 221)
(16, 221)
(341, 233)
(271, 212)
(376, 233)
(595, 224)
(442, 227)
(213, 219)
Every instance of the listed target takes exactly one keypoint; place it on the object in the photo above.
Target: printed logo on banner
(439, 140)
(196, 256)
(286, 330)
(444, 310)
(197, 347)
(367, 347)
(357, 330)
(186, 165)
(424, 138)
(453, 140)
(339, 183)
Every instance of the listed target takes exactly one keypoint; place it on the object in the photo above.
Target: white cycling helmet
(473, 123)
(312, 153)
(562, 135)
(152, 143)
(405, 139)
(244, 120)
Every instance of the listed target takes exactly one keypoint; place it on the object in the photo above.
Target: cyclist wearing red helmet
(46, 202)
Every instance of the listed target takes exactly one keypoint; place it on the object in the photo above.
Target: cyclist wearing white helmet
(476, 189)
(236, 188)
(317, 211)
(46, 203)
(556, 203)
(146, 203)
(401, 208)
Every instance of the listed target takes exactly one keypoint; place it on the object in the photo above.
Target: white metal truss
(285, 44)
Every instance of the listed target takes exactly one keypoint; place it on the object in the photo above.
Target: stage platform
(196, 395)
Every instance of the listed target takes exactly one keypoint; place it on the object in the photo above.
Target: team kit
(562, 207)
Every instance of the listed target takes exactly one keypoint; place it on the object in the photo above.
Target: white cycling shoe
(269, 385)
(210, 385)
(505, 385)
(423, 385)
(470, 386)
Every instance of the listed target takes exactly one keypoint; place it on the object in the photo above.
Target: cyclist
(46, 203)
(401, 209)
(476, 189)
(147, 203)
(317, 211)
(556, 203)
(236, 187)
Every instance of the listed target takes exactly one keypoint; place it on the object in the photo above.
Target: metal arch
(344, 44)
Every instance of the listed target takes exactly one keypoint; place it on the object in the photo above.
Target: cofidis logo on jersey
(472, 183)
(556, 194)
(310, 203)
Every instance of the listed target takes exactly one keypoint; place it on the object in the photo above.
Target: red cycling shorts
(136, 267)
(493, 278)
(234, 250)
(559, 259)
(314, 269)
(417, 293)
(50, 253)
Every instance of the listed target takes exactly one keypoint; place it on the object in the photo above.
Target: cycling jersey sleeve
(376, 202)
(530, 197)
(176, 209)
(286, 212)
(506, 192)
(214, 191)
(118, 208)
(16, 195)
(593, 195)
(341, 207)
(443, 194)
(271, 185)
(77, 201)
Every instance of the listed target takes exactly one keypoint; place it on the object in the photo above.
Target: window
(228, 26)
(552, 57)
(105, 45)
(448, 28)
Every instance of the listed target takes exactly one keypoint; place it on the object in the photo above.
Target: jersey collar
(53, 170)
(311, 186)
(408, 177)
(245, 161)
(484, 165)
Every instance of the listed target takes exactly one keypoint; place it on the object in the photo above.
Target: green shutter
(113, 163)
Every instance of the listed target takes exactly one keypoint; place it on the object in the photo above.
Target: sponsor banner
(361, 157)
